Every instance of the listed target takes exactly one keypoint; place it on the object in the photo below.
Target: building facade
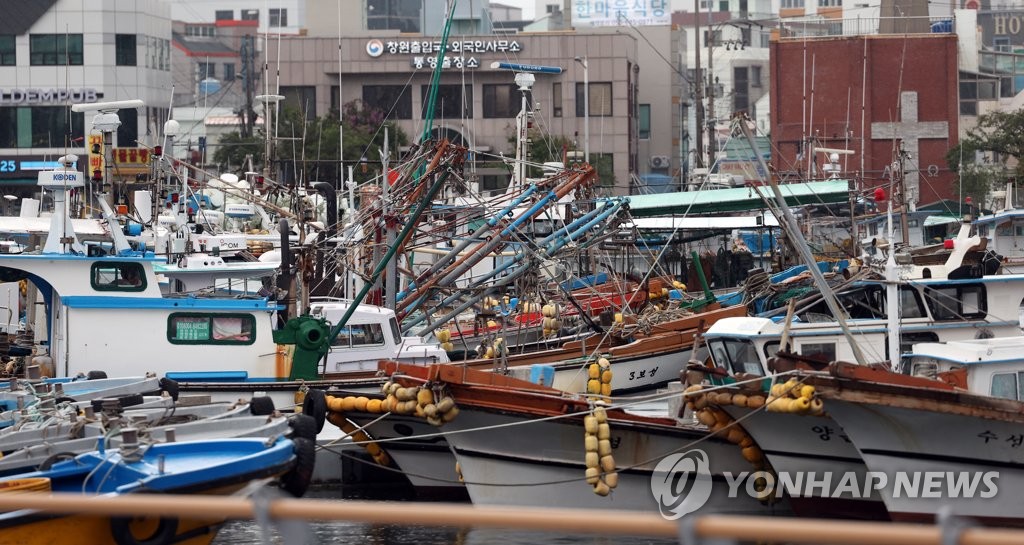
(55, 53)
(273, 17)
(873, 95)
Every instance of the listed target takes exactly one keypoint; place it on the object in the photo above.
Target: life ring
(315, 405)
(164, 534)
(297, 480)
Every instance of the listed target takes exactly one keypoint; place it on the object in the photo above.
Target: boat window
(910, 304)
(396, 332)
(820, 351)
(1004, 385)
(927, 369)
(200, 328)
(738, 356)
(358, 335)
(115, 276)
(983, 230)
(1020, 385)
(771, 349)
(956, 302)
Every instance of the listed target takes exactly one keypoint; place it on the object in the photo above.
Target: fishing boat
(207, 467)
(547, 464)
(951, 444)
(1005, 228)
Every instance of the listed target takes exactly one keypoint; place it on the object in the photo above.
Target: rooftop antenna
(524, 79)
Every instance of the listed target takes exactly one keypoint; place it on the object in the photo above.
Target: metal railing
(819, 26)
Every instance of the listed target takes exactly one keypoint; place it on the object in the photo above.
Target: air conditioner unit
(660, 161)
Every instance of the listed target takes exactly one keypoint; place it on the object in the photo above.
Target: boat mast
(802, 248)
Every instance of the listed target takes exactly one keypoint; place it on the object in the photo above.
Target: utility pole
(247, 52)
(904, 201)
(698, 86)
(712, 121)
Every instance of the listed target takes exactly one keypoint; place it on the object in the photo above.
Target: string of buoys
(551, 325)
(444, 336)
(418, 401)
(707, 408)
(599, 378)
(600, 464)
(794, 398)
(336, 408)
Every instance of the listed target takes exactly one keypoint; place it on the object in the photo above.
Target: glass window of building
(556, 99)
(55, 49)
(250, 15)
(39, 127)
(206, 70)
(128, 132)
(394, 100)
(7, 56)
(224, 14)
(125, 50)
(502, 100)
(644, 123)
(301, 98)
(278, 17)
(453, 102)
(401, 15)
(600, 99)
(229, 72)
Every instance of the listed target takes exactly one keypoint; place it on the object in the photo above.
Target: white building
(54, 53)
(274, 16)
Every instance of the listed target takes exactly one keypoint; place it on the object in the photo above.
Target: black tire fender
(96, 375)
(170, 386)
(166, 530)
(303, 425)
(261, 406)
(315, 405)
(297, 480)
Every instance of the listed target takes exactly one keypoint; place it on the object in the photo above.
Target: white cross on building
(910, 131)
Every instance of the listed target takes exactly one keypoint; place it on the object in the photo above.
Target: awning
(736, 199)
(704, 222)
(939, 220)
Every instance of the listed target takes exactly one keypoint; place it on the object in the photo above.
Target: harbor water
(248, 532)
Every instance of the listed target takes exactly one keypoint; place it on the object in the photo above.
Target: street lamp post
(586, 108)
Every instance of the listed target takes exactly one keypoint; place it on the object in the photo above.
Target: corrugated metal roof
(20, 15)
(735, 199)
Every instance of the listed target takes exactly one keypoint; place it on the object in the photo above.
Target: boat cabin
(992, 367)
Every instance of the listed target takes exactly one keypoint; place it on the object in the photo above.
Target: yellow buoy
(373, 406)
(593, 475)
(348, 403)
(606, 377)
(602, 489)
(600, 414)
(593, 386)
(590, 424)
(594, 371)
(361, 403)
(590, 443)
(611, 479)
(446, 404)
(604, 431)
(606, 389)
(425, 396)
(444, 335)
(604, 448)
(591, 459)
(28, 484)
(607, 463)
(604, 363)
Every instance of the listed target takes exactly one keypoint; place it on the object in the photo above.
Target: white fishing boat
(1005, 228)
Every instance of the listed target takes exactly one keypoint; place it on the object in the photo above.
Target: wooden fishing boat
(207, 467)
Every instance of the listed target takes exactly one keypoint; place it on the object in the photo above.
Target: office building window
(453, 102)
(250, 15)
(7, 57)
(224, 14)
(741, 89)
(39, 127)
(503, 100)
(644, 124)
(556, 99)
(395, 101)
(600, 99)
(278, 17)
(55, 49)
(401, 15)
(128, 132)
(125, 50)
(301, 98)
(755, 76)
(200, 30)
(229, 72)
(792, 4)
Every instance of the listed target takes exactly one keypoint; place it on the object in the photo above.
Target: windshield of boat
(736, 355)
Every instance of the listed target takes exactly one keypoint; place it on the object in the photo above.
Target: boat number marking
(643, 373)
(825, 433)
(1015, 440)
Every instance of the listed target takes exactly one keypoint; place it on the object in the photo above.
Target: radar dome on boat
(230, 178)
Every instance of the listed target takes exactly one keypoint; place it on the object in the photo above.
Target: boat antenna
(801, 245)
